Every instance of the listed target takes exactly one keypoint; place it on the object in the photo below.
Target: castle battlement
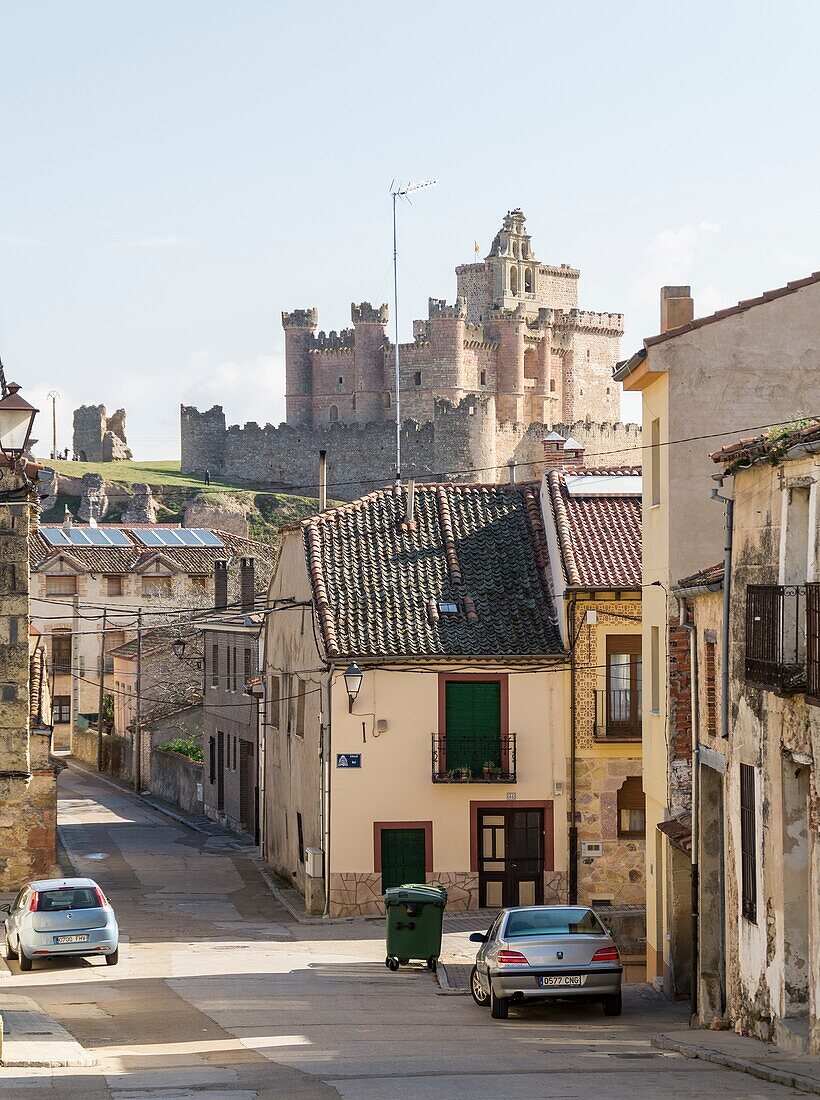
(608, 322)
(437, 308)
(363, 313)
(329, 342)
(301, 318)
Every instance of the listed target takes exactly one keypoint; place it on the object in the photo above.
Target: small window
(333, 413)
(552, 385)
(300, 838)
(341, 380)
(748, 843)
(273, 702)
(353, 402)
(417, 378)
(215, 665)
(483, 378)
(587, 353)
(212, 760)
(248, 665)
(62, 585)
(113, 584)
(513, 280)
(300, 707)
(623, 685)
(200, 583)
(386, 399)
(61, 652)
(632, 808)
(711, 688)
(655, 668)
(448, 607)
(157, 587)
(528, 280)
(61, 709)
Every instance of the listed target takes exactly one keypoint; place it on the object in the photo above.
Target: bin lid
(425, 893)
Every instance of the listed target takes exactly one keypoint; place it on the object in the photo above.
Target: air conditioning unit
(314, 862)
(591, 849)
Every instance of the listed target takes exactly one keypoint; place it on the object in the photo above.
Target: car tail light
(32, 905)
(606, 954)
(100, 897)
(511, 958)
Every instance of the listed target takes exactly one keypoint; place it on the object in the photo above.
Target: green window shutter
(403, 857)
(472, 714)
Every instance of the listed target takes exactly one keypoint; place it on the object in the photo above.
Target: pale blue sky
(177, 172)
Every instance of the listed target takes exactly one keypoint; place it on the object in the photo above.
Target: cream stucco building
(712, 377)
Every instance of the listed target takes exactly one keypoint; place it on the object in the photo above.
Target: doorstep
(752, 1056)
(30, 1037)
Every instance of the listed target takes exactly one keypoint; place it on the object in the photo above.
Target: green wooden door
(403, 857)
(473, 725)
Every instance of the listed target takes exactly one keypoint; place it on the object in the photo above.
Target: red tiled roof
(741, 307)
(599, 536)
(379, 586)
(768, 445)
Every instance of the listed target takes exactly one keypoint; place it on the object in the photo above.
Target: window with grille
(212, 760)
(61, 709)
(300, 838)
(114, 584)
(748, 843)
(61, 652)
(711, 688)
(623, 685)
(215, 665)
(632, 808)
(61, 585)
(274, 693)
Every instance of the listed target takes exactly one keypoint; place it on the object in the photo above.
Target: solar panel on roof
(148, 538)
(84, 536)
(176, 537)
(55, 536)
(208, 537)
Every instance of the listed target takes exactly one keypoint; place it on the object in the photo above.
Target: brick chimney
(247, 587)
(220, 585)
(560, 452)
(677, 307)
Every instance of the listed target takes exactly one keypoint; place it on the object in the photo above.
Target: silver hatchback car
(546, 952)
(61, 916)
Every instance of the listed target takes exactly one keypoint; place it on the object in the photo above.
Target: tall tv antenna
(400, 191)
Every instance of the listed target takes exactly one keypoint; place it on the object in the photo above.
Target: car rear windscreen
(552, 922)
(76, 897)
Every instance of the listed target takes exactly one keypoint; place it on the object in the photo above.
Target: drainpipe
(693, 683)
(727, 594)
(573, 828)
(327, 772)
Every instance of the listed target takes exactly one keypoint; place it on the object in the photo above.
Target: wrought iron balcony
(775, 654)
(475, 758)
(617, 715)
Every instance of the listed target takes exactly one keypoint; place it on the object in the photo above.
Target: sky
(175, 173)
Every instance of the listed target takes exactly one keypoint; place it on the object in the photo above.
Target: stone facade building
(99, 437)
(28, 794)
(482, 382)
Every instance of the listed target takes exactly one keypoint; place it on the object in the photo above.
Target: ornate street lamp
(353, 682)
(179, 645)
(16, 421)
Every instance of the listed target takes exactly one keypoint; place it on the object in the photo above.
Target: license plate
(71, 939)
(561, 979)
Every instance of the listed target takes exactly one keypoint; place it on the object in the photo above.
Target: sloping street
(221, 995)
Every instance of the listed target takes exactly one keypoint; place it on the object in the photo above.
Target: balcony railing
(474, 759)
(617, 715)
(813, 642)
(776, 636)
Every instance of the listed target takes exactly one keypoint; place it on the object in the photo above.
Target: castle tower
(299, 326)
(446, 329)
(508, 327)
(371, 390)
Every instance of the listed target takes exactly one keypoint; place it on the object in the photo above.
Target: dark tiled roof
(377, 585)
(38, 694)
(156, 639)
(599, 536)
(124, 559)
(711, 575)
(769, 446)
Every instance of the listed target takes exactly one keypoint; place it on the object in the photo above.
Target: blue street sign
(348, 759)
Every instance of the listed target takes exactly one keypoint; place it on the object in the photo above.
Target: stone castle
(99, 437)
(481, 384)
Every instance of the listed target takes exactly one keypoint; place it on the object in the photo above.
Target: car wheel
(25, 961)
(612, 1004)
(113, 957)
(479, 996)
(499, 1006)
(10, 952)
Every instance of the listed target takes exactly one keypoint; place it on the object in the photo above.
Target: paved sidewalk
(762, 1060)
(30, 1037)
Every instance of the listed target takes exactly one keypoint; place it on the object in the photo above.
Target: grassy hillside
(126, 473)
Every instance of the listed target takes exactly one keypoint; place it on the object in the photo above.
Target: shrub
(185, 747)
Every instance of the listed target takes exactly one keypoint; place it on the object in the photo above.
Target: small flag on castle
(476, 249)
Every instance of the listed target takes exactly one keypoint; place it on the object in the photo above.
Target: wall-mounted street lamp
(16, 421)
(179, 646)
(353, 682)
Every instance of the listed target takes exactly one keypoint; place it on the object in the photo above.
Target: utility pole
(101, 699)
(138, 716)
(400, 192)
(53, 395)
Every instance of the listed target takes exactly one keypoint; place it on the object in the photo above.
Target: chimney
(677, 307)
(220, 585)
(322, 481)
(560, 452)
(247, 588)
(573, 453)
(67, 521)
(409, 521)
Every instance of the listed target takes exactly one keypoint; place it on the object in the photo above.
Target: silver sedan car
(546, 952)
(61, 916)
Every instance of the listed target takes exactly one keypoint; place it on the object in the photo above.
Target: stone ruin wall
(99, 437)
(463, 442)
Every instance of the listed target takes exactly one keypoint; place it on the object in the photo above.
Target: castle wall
(475, 283)
(558, 287)
(590, 391)
(202, 439)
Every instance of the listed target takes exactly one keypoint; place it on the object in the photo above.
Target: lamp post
(400, 191)
(179, 645)
(52, 396)
(16, 421)
(353, 682)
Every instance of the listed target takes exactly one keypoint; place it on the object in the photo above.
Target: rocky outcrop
(223, 512)
(94, 500)
(142, 507)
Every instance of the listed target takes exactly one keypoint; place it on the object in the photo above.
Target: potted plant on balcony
(485, 769)
(465, 773)
(495, 771)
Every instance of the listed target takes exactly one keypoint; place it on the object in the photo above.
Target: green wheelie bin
(414, 915)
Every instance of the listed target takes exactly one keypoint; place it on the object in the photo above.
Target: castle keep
(481, 384)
